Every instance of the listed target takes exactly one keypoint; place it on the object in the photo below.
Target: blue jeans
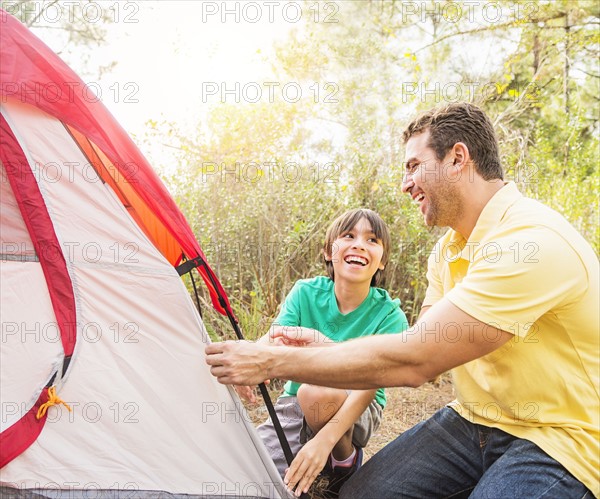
(447, 456)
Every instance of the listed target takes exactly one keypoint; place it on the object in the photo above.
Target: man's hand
(307, 465)
(238, 362)
(298, 336)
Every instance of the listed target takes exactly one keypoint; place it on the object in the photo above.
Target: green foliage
(260, 182)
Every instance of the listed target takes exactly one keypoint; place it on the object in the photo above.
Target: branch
(42, 10)
(586, 72)
(515, 109)
(510, 24)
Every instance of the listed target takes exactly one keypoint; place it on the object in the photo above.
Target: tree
(370, 68)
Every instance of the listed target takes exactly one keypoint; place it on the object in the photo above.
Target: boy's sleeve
(289, 315)
(395, 322)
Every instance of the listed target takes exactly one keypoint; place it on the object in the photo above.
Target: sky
(180, 52)
(173, 58)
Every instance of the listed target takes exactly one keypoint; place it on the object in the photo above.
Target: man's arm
(422, 312)
(443, 337)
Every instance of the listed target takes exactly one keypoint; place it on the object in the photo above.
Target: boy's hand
(306, 466)
(298, 336)
(246, 392)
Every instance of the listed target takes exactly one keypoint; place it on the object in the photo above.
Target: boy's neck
(349, 296)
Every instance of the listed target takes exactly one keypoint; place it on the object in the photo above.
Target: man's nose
(407, 183)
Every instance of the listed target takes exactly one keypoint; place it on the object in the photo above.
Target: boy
(329, 427)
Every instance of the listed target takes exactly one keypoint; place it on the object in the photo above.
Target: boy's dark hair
(345, 223)
(461, 122)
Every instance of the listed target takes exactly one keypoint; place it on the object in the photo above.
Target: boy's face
(356, 254)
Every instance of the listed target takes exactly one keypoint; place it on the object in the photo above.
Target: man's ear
(460, 161)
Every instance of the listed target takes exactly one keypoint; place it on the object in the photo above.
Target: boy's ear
(381, 265)
(326, 256)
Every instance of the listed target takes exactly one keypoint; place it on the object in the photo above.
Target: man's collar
(491, 214)
(494, 211)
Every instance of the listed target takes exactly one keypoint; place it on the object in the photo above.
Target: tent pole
(196, 294)
(285, 446)
(197, 262)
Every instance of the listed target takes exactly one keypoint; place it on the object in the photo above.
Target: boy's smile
(356, 254)
(356, 260)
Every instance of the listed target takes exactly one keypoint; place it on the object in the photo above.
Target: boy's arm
(312, 457)
(352, 408)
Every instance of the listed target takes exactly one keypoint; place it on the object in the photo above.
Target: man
(511, 309)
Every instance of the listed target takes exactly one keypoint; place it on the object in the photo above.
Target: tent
(103, 388)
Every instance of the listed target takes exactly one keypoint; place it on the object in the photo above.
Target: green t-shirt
(311, 303)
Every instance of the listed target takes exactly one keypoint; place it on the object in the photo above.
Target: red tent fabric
(32, 73)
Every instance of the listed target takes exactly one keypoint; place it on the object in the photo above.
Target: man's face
(429, 182)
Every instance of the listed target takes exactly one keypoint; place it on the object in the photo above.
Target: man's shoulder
(531, 221)
(531, 212)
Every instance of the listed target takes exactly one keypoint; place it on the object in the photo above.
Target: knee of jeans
(355, 488)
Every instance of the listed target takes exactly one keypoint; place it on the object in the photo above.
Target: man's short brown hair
(461, 122)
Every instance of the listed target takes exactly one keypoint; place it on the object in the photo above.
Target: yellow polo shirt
(527, 271)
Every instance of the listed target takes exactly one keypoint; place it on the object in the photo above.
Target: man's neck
(474, 205)
(349, 296)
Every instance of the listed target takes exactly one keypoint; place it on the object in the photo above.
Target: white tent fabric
(32, 338)
(146, 413)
